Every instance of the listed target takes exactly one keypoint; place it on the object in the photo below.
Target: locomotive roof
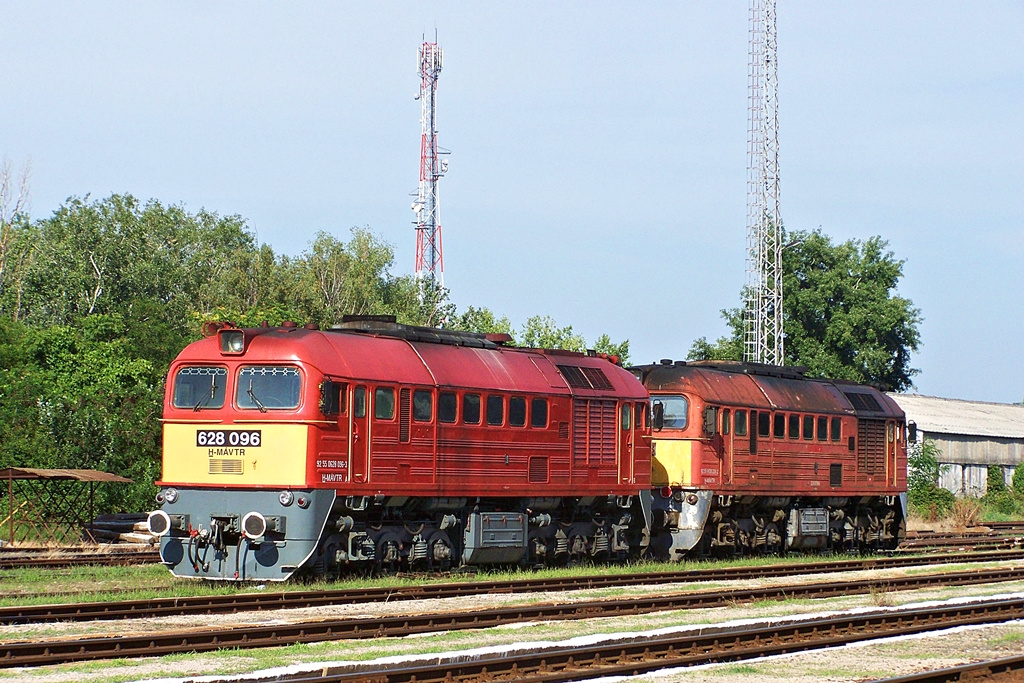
(409, 355)
(762, 386)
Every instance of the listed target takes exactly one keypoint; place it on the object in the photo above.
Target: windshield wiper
(255, 400)
(205, 399)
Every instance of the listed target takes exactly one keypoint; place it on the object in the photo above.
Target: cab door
(358, 434)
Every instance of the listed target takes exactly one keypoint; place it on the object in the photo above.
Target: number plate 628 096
(228, 437)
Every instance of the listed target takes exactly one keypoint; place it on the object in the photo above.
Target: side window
(359, 402)
(764, 423)
(808, 427)
(447, 406)
(675, 411)
(822, 429)
(471, 409)
(495, 410)
(539, 412)
(794, 426)
(517, 411)
(780, 425)
(725, 422)
(625, 416)
(422, 405)
(384, 403)
(837, 429)
(741, 423)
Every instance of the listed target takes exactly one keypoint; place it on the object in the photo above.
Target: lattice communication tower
(763, 333)
(429, 255)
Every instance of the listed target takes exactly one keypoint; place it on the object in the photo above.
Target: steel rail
(32, 653)
(81, 559)
(631, 657)
(248, 602)
(1002, 669)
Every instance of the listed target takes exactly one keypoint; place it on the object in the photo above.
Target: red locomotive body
(381, 444)
(754, 458)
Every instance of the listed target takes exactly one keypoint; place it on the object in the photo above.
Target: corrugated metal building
(971, 436)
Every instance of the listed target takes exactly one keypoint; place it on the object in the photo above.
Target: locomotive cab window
(794, 426)
(822, 429)
(384, 403)
(359, 401)
(763, 424)
(268, 387)
(625, 416)
(726, 417)
(670, 412)
(808, 427)
(199, 387)
(837, 428)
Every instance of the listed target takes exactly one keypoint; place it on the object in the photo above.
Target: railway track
(37, 652)
(248, 602)
(1009, 669)
(630, 657)
(50, 559)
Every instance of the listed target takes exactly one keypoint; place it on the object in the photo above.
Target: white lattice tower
(429, 255)
(763, 331)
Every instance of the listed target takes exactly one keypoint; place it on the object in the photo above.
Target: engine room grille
(585, 378)
(593, 431)
(538, 469)
(863, 402)
(871, 446)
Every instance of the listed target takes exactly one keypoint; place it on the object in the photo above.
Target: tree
(842, 316)
(541, 332)
(923, 491)
(604, 344)
(482, 320)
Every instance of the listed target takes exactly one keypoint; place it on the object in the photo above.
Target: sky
(598, 160)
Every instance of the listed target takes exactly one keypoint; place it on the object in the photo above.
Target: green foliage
(1018, 479)
(97, 299)
(996, 482)
(541, 332)
(924, 494)
(481, 320)
(605, 345)
(842, 316)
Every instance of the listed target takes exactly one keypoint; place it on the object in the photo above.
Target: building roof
(968, 418)
(74, 475)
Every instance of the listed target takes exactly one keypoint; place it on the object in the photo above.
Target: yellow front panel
(250, 454)
(671, 462)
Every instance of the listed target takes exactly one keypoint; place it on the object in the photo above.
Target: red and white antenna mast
(429, 255)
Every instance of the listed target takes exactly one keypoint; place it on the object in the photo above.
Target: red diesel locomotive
(379, 445)
(754, 458)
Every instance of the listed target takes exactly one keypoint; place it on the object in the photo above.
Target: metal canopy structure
(51, 505)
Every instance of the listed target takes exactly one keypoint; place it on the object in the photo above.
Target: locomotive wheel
(439, 550)
(389, 552)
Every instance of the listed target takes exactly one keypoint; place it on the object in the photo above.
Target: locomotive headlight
(232, 341)
(159, 522)
(254, 525)
(171, 495)
(285, 498)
